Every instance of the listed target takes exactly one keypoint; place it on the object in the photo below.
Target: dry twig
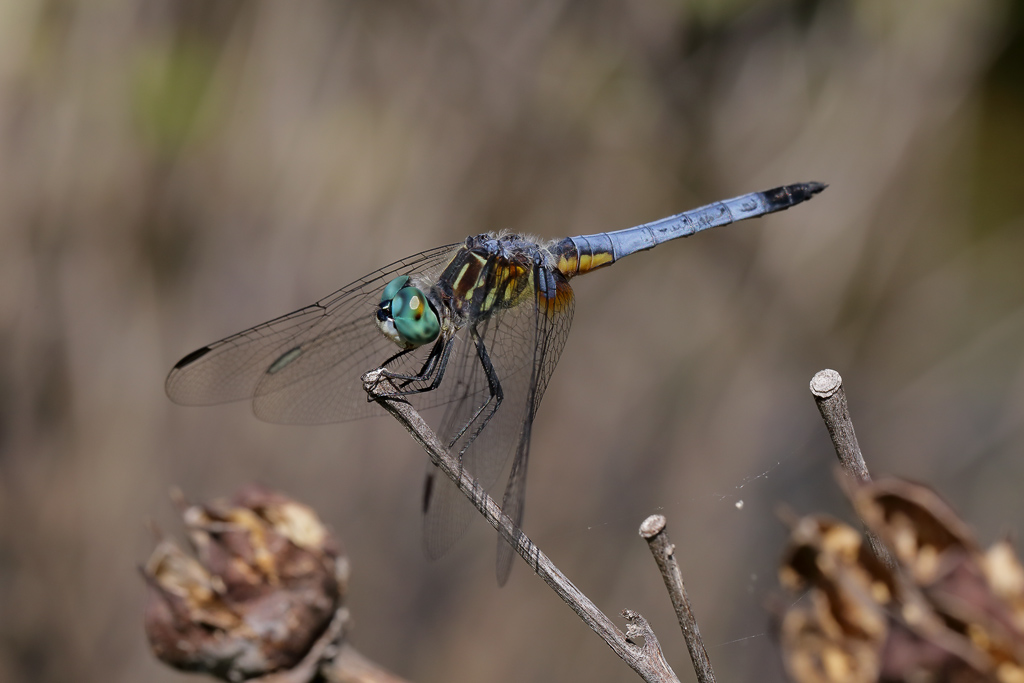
(827, 387)
(653, 531)
(646, 660)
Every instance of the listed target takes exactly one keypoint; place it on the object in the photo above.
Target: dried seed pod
(948, 612)
(267, 580)
(838, 636)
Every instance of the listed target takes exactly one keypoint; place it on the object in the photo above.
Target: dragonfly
(476, 327)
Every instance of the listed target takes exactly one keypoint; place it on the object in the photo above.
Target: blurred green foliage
(174, 94)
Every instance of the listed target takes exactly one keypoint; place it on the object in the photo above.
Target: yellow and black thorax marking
(492, 273)
(488, 274)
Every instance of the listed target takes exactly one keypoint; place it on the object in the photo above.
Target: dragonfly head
(405, 316)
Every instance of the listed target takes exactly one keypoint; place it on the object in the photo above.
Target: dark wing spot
(192, 357)
(428, 489)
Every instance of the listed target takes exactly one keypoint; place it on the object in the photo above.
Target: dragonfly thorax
(492, 272)
(406, 316)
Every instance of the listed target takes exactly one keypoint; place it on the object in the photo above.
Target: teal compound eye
(405, 316)
(392, 288)
(415, 321)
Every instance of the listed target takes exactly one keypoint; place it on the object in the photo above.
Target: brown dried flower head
(947, 612)
(265, 583)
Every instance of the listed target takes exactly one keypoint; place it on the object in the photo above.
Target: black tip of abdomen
(791, 195)
(813, 188)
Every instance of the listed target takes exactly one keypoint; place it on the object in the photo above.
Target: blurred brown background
(172, 172)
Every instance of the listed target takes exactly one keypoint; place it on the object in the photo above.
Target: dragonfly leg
(386, 374)
(496, 396)
(435, 365)
(433, 369)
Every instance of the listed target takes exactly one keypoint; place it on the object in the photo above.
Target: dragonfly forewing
(328, 346)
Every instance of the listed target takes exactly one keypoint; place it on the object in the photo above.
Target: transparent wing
(447, 511)
(523, 344)
(554, 317)
(334, 342)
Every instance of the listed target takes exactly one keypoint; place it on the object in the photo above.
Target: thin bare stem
(653, 531)
(827, 388)
(310, 666)
(653, 669)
